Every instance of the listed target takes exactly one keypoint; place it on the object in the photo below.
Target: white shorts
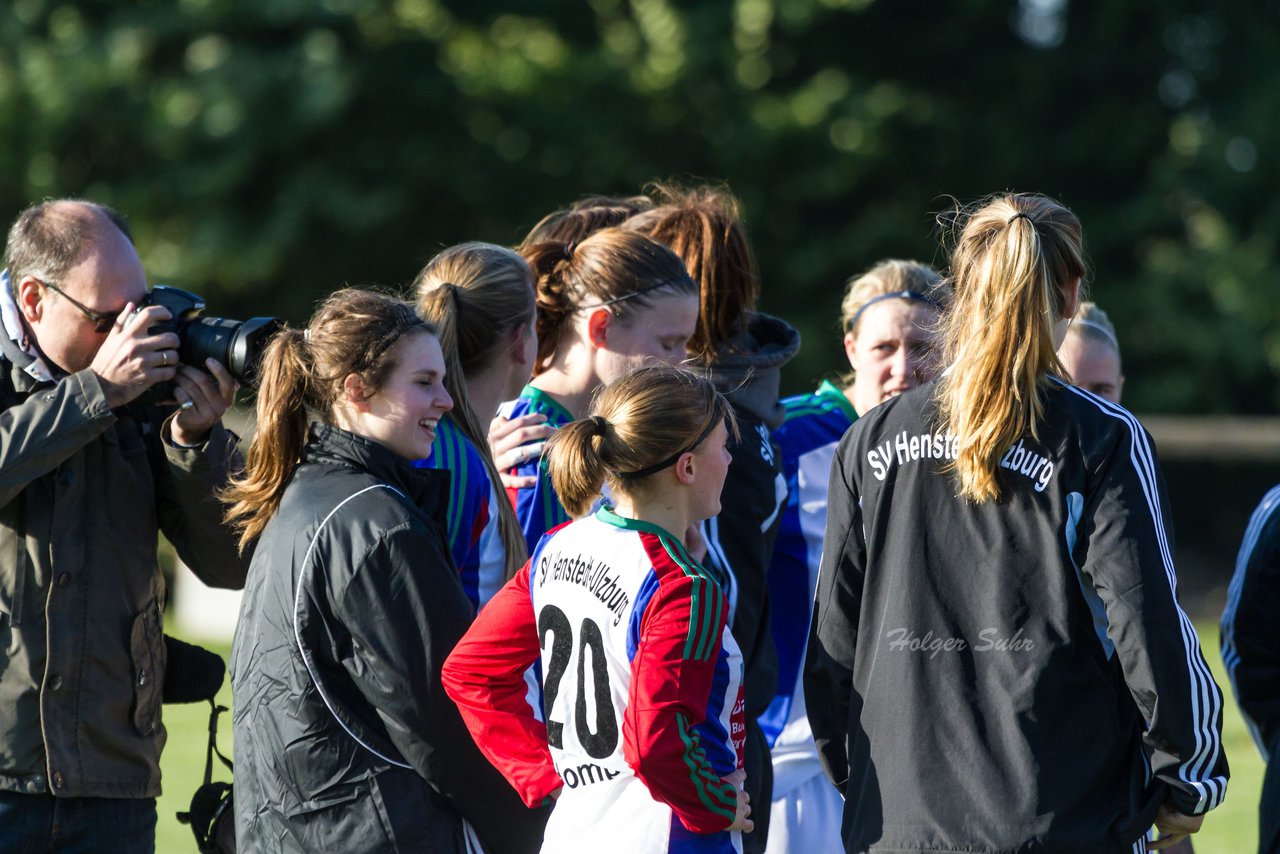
(806, 820)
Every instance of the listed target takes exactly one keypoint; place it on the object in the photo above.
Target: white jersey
(642, 690)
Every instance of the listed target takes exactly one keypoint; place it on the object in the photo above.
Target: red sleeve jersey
(641, 686)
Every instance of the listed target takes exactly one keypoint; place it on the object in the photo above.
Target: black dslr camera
(238, 344)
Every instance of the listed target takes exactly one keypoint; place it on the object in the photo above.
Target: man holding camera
(90, 472)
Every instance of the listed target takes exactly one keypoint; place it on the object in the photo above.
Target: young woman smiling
(344, 737)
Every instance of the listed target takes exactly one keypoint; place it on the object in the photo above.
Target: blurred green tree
(268, 151)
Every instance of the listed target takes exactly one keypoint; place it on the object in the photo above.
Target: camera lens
(238, 344)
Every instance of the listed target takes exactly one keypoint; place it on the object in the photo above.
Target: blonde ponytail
(1015, 260)
(576, 463)
(477, 294)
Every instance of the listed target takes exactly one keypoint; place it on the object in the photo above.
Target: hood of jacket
(747, 370)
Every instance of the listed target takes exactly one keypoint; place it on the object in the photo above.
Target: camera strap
(211, 808)
(213, 750)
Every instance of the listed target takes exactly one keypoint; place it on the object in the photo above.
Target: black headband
(692, 446)
(914, 296)
(663, 284)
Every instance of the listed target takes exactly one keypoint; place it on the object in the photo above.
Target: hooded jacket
(345, 739)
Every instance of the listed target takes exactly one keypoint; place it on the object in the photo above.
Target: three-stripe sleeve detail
(1206, 701)
(704, 605)
(715, 794)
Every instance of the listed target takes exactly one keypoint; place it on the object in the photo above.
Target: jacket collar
(426, 488)
(16, 343)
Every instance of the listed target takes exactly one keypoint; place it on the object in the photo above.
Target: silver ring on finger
(164, 358)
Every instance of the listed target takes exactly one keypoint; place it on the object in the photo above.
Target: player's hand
(742, 816)
(1173, 827)
(130, 359)
(516, 441)
(203, 399)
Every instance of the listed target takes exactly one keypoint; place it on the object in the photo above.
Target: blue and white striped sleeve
(1128, 556)
(1251, 628)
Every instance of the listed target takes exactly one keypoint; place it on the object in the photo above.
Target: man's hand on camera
(209, 395)
(130, 361)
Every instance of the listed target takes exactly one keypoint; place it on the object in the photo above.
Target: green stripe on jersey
(703, 609)
(453, 458)
(700, 641)
(714, 794)
(828, 398)
(545, 404)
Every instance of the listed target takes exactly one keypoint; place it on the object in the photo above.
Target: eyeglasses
(101, 322)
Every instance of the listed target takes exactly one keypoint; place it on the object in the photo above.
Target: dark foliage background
(268, 151)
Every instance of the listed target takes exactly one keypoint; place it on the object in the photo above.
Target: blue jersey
(472, 520)
(807, 440)
(537, 507)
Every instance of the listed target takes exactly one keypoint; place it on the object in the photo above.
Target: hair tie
(453, 294)
(569, 248)
(598, 424)
(913, 296)
(1020, 215)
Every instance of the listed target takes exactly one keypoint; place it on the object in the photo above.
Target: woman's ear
(356, 393)
(850, 346)
(598, 328)
(685, 468)
(1072, 299)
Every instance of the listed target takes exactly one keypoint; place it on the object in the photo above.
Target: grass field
(1231, 829)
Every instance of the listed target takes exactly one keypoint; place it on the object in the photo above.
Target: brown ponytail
(550, 263)
(1015, 259)
(703, 226)
(636, 423)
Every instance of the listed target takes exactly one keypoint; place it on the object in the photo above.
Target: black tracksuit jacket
(1015, 675)
(345, 738)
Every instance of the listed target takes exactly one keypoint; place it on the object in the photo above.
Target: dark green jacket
(345, 739)
(84, 493)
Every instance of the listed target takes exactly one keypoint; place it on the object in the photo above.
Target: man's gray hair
(48, 238)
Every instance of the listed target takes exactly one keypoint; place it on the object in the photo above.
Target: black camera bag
(212, 812)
